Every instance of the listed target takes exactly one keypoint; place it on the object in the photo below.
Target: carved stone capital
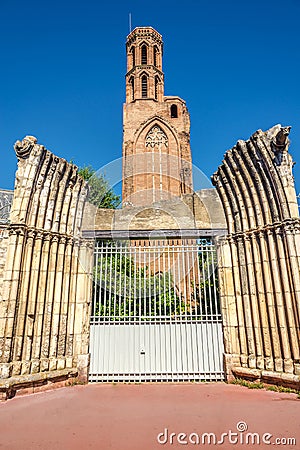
(291, 226)
(39, 235)
(47, 237)
(69, 241)
(54, 238)
(278, 231)
(31, 234)
(88, 243)
(19, 230)
(62, 240)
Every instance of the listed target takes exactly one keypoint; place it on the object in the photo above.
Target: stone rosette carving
(24, 148)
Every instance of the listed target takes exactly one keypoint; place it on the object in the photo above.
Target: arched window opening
(155, 54)
(156, 83)
(132, 88)
(144, 86)
(133, 56)
(174, 111)
(144, 54)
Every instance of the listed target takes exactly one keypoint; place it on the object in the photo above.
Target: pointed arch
(131, 83)
(144, 77)
(156, 84)
(132, 51)
(144, 54)
(155, 56)
(164, 125)
(174, 111)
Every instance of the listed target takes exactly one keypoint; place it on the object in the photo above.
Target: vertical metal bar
(164, 280)
(149, 271)
(176, 313)
(125, 282)
(134, 284)
(120, 280)
(105, 251)
(110, 281)
(178, 282)
(194, 253)
(138, 268)
(209, 258)
(215, 281)
(115, 279)
(145, 281)
(169, 279)
(154, 281)
(130, 282)
(215, 321)
(159, 279)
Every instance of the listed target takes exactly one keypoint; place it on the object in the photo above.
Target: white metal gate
(156, 314)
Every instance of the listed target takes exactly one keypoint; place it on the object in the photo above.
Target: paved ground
(130, 417)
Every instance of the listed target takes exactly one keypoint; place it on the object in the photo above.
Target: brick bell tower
(156, 128)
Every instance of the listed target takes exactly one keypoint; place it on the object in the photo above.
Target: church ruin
(176, 285)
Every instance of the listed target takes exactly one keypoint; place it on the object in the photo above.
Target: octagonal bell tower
(156, 139)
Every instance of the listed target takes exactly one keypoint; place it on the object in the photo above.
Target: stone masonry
(156, 139)
(46, 246)
(260, 260)
(45, 294)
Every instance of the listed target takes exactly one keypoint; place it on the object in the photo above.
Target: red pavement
(130, 417)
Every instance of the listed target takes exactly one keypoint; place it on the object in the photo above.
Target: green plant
(248, 384)
(206, 293)
(283, 389)
(101, 193)
(134, 291)
(259, 385)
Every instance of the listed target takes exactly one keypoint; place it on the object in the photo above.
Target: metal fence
(155, 313)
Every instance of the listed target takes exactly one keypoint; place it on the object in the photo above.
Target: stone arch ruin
(46, 260)
(259, 259)
(44, 307)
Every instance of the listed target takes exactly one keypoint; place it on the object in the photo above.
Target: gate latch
(142, 351)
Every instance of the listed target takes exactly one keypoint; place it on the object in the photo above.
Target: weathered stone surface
(202, 209)
(40, 304)
(31, 383)
(256, 187)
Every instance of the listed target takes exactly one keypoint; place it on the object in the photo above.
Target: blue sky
(236, 63)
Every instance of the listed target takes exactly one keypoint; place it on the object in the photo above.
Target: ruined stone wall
(259, 259)
(44, 304)
(202, 210)
(3, 252)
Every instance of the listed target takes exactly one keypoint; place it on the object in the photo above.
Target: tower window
(133, 56)
(144, 54)
(132, 88)
(144, 86)
(155, 52)
(174, 111)
(156, 87)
